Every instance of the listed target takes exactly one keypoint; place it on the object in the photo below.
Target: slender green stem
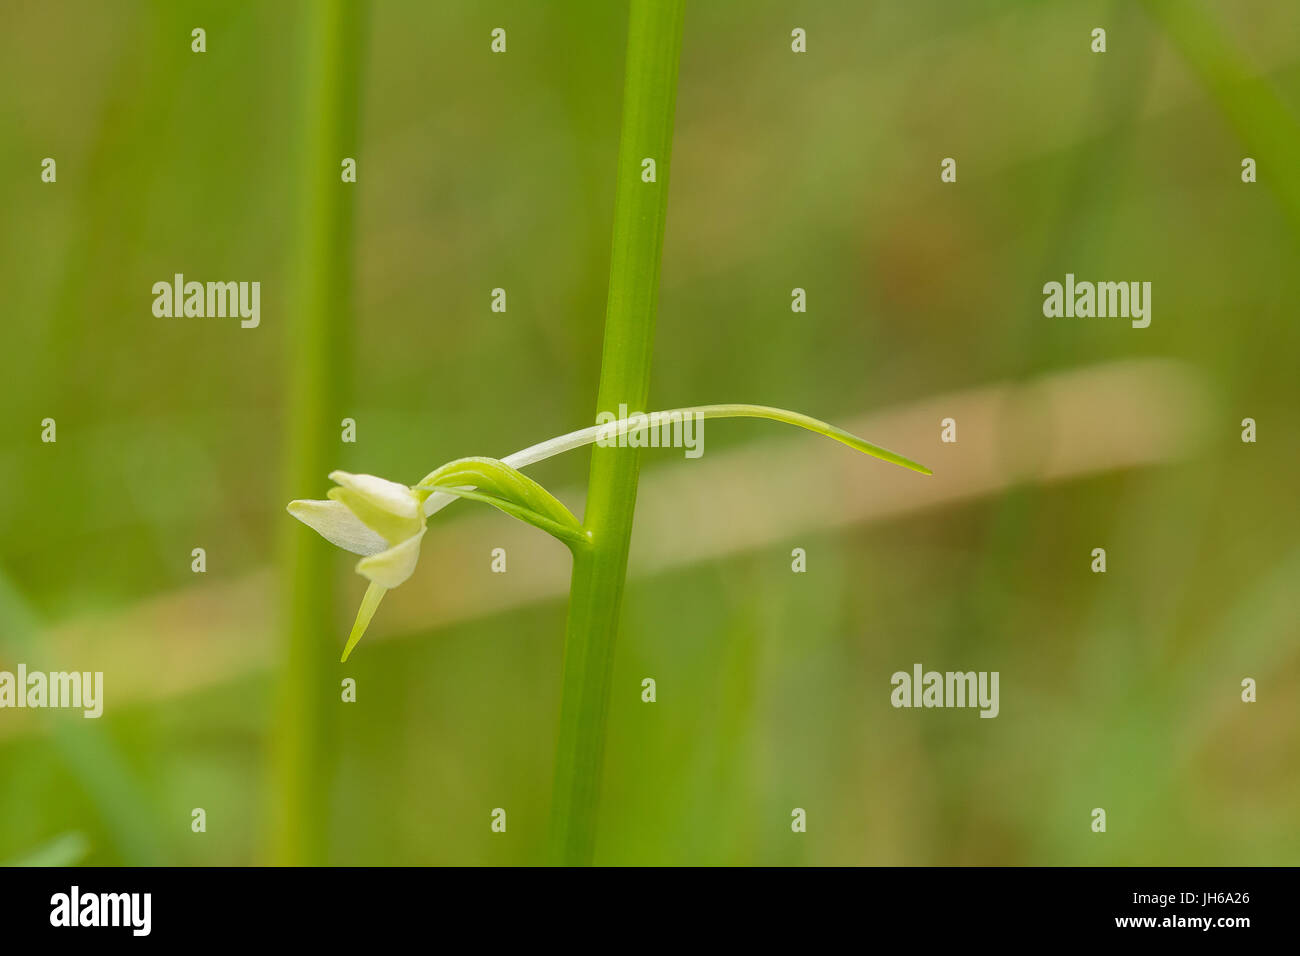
(317, 348)
(640, 208)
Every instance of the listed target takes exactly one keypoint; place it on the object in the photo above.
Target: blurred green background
(818, 171)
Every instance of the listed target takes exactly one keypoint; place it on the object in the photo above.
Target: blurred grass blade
(332, 34)
(503, 487)
(1266, 125)
(91, 755)
(68, 849)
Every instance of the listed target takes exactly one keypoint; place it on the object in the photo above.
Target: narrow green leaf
(811, 424)
(631, 425)
(496, 483)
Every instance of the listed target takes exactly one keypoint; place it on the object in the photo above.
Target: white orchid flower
(379, 519)
(384, 521)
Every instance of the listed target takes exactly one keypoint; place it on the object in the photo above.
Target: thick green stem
(640, 207)
(317, 349)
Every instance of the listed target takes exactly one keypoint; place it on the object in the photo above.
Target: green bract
(384, 521)
(495, 482)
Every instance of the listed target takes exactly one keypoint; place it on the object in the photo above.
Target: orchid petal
(382, 493)
(391, 510)
(334, 522)
(390, 568)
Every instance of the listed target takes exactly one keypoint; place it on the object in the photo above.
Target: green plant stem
(317, 348)
(640, 208)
